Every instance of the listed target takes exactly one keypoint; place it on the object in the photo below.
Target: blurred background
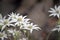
(37, 11)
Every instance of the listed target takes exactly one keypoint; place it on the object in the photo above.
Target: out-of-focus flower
(57, 28)
(13, 32)
(23, 39)
(3, 35)
(16, 33)
(55, 11)
(30, 27)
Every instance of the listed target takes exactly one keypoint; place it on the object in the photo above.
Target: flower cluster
(13, 24)
(56, 12)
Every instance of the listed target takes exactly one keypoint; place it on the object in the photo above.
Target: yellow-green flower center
(19, 19)
(6, 21)
(30, 27)
(58, 11)
(14, 17)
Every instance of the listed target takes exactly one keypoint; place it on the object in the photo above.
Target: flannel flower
(30, 27)
(21, 20)
(18, 19)
(16, 33)
(57, 28)
(13, 32)
(13, 17)
(3, 35)
(55, 11)
(5, 22)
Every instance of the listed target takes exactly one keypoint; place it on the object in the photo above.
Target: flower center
(19, 19)
(30, 27)
(14, 17)
(58, 11)
(6, 22)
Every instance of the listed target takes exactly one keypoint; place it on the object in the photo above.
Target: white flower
(55, 12)
(21, 20)
(3, 35)
(18, 19)
(13, 16)
(57, 28)
(30, 27)
(13, 32)
(5, 22)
